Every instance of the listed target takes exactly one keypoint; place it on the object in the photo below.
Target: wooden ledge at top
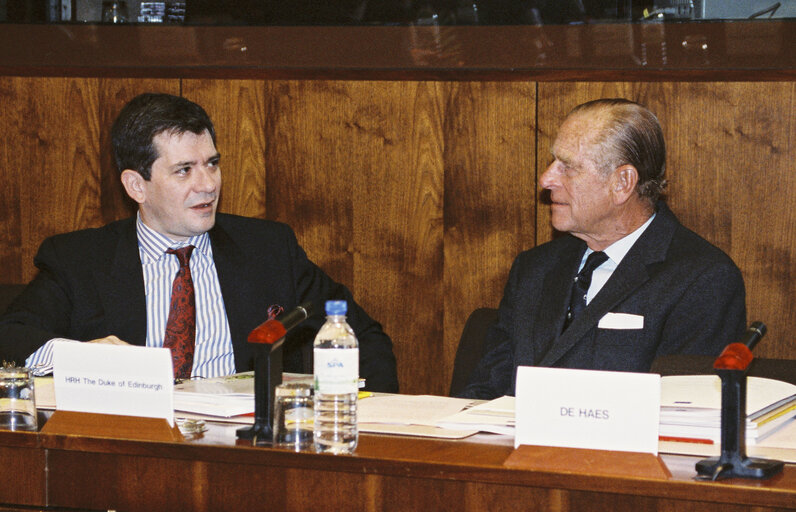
(591, 462)
(740, 50)
(111, 426)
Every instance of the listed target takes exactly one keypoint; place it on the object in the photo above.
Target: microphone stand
(267, 376)
(268, 340)
(731, 366)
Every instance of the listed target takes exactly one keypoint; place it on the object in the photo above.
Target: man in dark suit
(113, 284)
(658, 288)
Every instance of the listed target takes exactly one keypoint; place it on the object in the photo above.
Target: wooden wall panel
(237, 110)
(57, 162)
(734, 182)
(489, 195)
(356, 169)
(310, 177)
(398, 177)
(57, 176)
(13, 103)
(730, 151)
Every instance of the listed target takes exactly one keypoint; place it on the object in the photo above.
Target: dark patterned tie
(580, 287)
(181, 325)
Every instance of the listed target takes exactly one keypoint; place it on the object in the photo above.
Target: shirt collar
(617, 250)
(153, 245)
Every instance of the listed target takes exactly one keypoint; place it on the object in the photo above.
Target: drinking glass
(17, 399)
(293, 416)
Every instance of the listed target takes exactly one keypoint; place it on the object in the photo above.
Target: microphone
(270, 335)
(738, 355)
(274, 329)
(753, 334)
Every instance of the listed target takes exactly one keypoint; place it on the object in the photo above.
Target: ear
(623, 183)
(134, 185)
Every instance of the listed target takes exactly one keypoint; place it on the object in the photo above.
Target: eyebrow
(561, 159)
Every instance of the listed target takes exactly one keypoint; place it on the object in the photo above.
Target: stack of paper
(495, 416)
(228, 398)
(416, 415)
(691, 408)
(225, 397)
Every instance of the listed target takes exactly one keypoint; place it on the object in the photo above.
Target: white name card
(587, 409)
(114, 379)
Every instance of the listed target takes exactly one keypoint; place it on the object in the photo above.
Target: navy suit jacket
(90, 285)
(689, 292)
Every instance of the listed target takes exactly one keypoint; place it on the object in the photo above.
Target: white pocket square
(621, 321)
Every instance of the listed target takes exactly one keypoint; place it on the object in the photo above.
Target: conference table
(215, 471)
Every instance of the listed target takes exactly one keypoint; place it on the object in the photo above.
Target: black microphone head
(760, 327)
(754, 334)
(292, 318)
(309, 307)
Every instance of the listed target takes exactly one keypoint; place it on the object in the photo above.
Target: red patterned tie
(181, 325)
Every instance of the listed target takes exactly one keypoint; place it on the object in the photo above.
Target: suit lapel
(230, 264)
(556, 289)
(120, 285)
(631, 273)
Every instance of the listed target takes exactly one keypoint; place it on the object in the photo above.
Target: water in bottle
(336, 355)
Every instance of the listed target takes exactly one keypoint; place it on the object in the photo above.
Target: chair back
(471, 346)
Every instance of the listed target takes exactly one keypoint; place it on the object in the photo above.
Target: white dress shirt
(616, 252)
(213, 353)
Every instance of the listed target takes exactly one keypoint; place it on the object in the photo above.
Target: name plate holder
(585, 461)
(113, 426)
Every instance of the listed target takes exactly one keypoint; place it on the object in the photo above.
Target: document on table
(495, 416)
(44, 389)
(231, 399)
(781, 445)
(691, 408)
(228, 396)
(704, 392)
(222, 397)
(410, 415)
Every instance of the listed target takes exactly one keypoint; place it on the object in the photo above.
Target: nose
(548, 178)
(207, 180)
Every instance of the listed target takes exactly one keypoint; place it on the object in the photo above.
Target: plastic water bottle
(336, 355)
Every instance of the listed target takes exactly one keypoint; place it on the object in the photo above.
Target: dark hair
(146, 116)
(631, 134)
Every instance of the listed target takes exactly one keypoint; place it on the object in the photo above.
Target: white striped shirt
(213, 353)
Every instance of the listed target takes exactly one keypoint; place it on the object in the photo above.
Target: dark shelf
(738, 50)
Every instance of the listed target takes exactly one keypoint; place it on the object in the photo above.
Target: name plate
(587, 409)
(113, 379)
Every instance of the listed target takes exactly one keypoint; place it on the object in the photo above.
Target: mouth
(203, 206)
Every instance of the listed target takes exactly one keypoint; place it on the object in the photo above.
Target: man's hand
(109, 340)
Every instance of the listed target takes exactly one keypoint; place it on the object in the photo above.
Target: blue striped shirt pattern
(213, 353)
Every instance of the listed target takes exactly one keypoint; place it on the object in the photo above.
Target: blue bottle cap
(336, 307)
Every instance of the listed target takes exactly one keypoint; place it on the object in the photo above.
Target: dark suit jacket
(689, 292)
(90, 285)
